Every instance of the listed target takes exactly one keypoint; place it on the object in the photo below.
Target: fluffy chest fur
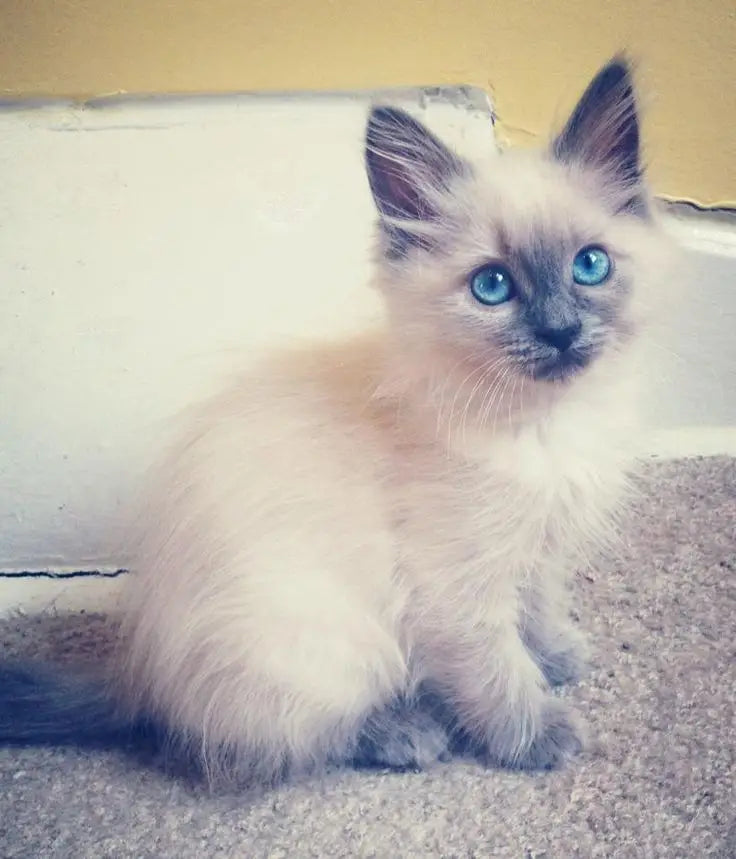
(537, 492)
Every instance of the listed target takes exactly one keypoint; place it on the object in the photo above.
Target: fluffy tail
(41, 705)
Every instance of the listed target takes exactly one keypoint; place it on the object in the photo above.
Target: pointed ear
(408, 171)
(603, 131)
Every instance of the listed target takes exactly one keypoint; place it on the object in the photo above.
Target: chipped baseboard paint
(61, 575)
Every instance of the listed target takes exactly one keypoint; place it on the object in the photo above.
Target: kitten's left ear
(603, 131)
(409, 170)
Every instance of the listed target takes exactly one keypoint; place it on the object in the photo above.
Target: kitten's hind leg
(401, 736)
(548, 632)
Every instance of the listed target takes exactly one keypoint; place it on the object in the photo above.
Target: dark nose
(560, 338)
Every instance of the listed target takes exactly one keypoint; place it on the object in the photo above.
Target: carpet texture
(660, 780)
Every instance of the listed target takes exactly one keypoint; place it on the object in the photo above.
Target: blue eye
(591, 266)
(492, 285)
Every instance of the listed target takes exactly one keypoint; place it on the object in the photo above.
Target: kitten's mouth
(561, 367)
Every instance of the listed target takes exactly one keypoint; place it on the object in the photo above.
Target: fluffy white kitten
(359, 553)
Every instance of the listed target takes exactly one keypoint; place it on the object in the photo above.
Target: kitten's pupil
(589, 259)
(492, 285)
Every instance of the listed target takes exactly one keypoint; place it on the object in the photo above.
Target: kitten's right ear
(603, 130)
(409, 169)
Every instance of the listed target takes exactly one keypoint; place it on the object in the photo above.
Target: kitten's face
(530, 271)
(527, 265)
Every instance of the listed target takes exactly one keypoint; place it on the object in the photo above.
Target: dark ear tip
(384, 113)
(618, 73)
(620, 64)
(383, 119)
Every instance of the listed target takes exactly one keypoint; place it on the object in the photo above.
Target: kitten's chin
(561, 368)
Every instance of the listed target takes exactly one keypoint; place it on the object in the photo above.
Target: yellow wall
(535, 55)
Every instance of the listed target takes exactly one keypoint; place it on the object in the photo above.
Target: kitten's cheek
(622, 331)
(629, 328)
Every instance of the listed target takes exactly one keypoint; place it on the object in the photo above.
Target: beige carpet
(661, 702)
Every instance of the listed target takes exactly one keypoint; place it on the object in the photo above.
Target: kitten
(359, 553)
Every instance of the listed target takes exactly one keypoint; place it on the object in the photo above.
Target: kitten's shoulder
(304, 389)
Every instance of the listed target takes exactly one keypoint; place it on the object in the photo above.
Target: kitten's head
(527, 265)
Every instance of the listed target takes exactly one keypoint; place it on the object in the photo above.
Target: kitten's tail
(40, 705)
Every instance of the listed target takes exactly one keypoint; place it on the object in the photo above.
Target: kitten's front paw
(565, 666)
(559, 737)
